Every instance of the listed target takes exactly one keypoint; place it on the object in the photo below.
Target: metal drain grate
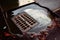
(24, 21)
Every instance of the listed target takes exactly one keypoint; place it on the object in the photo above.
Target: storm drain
(24, 21)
